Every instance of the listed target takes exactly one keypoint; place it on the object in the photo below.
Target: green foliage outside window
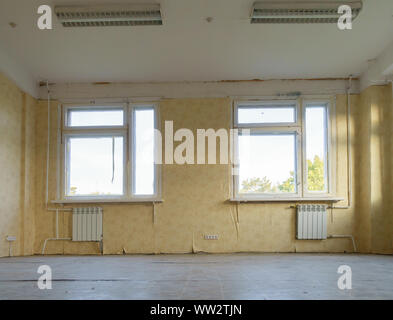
(315, 181)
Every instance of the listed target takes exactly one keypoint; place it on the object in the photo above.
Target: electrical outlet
(211, 237)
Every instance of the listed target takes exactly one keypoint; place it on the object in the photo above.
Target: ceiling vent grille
(301, 11)
(108, 16)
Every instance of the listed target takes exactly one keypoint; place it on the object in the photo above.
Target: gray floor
(201, 276)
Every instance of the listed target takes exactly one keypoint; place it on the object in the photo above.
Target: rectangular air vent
(301, 11)
(109, 15)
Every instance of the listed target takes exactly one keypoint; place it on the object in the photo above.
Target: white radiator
(87, 224)
(311, 221)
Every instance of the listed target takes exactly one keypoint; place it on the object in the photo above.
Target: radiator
(87, 224)
(311, 221)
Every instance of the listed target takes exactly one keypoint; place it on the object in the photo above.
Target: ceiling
(188, 48)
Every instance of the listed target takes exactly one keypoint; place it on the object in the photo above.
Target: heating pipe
(349, 165)
(47, 182)
(344, 236)
(349, 150)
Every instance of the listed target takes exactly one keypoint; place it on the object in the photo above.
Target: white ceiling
(188, 48)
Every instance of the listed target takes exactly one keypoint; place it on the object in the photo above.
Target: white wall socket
(211, 237)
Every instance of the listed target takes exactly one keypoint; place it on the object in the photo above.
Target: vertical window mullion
(157, 186)
(326, 159)
(128, 151)
(303, 151)
(298, 163)
(131, 144)
(67, 166)
(125, 160)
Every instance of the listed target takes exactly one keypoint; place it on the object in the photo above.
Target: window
(282, 149)
(95, 165)
(101, 143)
(316, 148)
(267, 172)
(144, 151)
(266, 114)
(85, 117)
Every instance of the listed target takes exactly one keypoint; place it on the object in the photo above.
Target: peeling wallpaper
(195, 200)
(17, 168)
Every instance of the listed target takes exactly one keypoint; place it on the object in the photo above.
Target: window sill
(310, 199)
(142, 200)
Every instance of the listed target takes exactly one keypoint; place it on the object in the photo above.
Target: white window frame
(126, 131)
(300, 147)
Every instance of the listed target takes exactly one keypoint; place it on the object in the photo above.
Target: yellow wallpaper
(374, 165)
(195, 201)
(17, 168)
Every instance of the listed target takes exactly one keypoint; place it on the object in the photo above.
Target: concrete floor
(201, 276)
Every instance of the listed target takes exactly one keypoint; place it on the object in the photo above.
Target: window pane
(316, 148)
(94, 117)
(144, 152)
(267, 163)
(265, 114)
(95, 166)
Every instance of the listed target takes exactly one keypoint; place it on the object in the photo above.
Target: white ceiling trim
(178, 90)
